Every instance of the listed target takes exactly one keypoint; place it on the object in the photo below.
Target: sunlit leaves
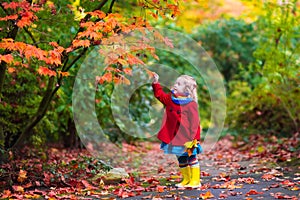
(81, 43)
(22, 176)
(46, 72)
(206, 195)
(9, 17)
(30, 52)
(24, 13)
(6, 58)
(162, 8)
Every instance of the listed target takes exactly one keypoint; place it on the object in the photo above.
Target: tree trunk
(2, 76)
(51, 90)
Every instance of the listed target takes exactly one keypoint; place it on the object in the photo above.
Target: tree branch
(111, 6)
(38, 116)
(88, 16)
(31, 36)
(67, 68)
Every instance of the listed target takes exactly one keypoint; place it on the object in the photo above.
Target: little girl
(180, 130)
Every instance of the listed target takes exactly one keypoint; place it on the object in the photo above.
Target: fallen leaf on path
(223, 196)
(268, 177)
(207, 195)
(253, 192)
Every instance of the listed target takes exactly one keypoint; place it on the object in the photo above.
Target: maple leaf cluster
(24, 13)
(29, 52)
(162, 8)
(111, 32)
(97, 28)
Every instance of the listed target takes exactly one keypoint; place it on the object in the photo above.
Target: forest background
(255, 45)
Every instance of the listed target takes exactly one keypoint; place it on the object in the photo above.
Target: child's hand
(155, 77)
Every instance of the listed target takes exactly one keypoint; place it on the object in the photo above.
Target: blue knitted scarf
(181, 100)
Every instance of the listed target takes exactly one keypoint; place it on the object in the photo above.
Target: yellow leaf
(207, 195)
(122, 62)
(260, 149)
(18, 188)
(22, 176)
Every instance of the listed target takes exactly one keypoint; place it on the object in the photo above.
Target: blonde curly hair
(190, 86)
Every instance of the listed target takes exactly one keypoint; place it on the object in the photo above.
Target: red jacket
(181, 123)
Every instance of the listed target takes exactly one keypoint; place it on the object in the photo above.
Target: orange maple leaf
(54, 44)
(128, 71)
(8, 58)
(46, 72)
(252, 192)
(107, 77)
(81, 43)
(268, 177)
(11, 70)
(54, 57)
(121, 80)
(97, 13)
(132, 60)
(22, 176)
(207, 195)
(9, 17)
(63, 73)
(18, 188)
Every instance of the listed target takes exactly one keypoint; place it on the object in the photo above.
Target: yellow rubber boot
(195, 177)
(186, 176)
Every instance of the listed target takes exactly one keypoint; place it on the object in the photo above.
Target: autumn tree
(45, 39)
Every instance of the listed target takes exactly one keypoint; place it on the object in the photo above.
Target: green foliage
(18, 103)
(273, 104)
(230, 43)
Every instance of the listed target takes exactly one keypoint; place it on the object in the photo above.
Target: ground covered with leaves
(260, 168)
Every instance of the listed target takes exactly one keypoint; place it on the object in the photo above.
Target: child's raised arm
(158, 91)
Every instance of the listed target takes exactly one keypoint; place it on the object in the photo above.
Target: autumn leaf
(122, 62)
(81, 43)
(248, 180)
(223, 196)
(88, 186)
(11, 5)
(107, 77)
(63, 73)
(97, 13)
(24, 21)
(279, 195)
(8, 58)
(160, 188)
(18, 188)
(121, 80)
(46, 72)
(268, 177)
(253, 192)
(11, 70)
(287, 183)
(6, 194)
(127, 71)
(133, 60)
(22, 176)
(207, 195)
(9, 17)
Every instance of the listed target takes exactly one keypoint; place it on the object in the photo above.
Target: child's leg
(185, 170)
(195, 171)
